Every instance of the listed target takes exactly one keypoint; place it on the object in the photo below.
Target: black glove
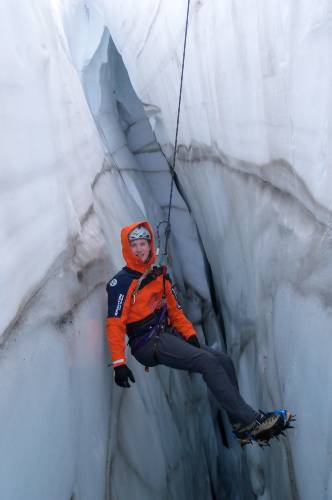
(193, 340)
(121, 374)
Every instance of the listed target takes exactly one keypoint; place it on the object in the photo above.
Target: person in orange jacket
(143, 303)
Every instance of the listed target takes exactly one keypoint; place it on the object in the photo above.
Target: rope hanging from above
(172, 166)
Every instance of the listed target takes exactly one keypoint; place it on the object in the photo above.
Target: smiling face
(141, 249)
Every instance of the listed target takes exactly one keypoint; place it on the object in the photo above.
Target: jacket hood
(132, 261)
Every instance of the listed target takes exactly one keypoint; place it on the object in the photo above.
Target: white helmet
(140, 232)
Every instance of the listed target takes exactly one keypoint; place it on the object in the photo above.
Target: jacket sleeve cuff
(119, 362)
(189, 334)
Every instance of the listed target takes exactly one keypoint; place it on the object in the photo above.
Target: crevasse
(88, 102)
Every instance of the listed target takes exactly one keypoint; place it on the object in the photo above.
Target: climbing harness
(139, 333)
(158, 322)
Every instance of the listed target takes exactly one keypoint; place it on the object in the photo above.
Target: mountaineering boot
(243, 432)
(265, 427)
(270, 425)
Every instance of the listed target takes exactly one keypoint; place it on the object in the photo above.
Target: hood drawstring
(137, 287)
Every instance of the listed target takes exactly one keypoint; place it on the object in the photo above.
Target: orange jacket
(124, 308)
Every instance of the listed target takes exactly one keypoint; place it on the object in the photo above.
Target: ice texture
(80, 157)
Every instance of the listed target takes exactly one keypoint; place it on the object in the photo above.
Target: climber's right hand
(121, 375)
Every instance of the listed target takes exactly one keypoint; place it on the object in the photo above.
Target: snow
(80, 155)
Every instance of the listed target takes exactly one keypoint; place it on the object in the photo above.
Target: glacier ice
(69, 182)
(83, 153)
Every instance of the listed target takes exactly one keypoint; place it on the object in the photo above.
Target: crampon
(267, 426)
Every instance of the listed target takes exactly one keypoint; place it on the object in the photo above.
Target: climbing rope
(172, 166)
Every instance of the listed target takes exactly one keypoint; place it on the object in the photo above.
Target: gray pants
(216, 367)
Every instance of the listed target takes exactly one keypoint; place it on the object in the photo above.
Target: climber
(143, 304)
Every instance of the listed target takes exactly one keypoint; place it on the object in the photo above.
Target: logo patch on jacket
(119, 305)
